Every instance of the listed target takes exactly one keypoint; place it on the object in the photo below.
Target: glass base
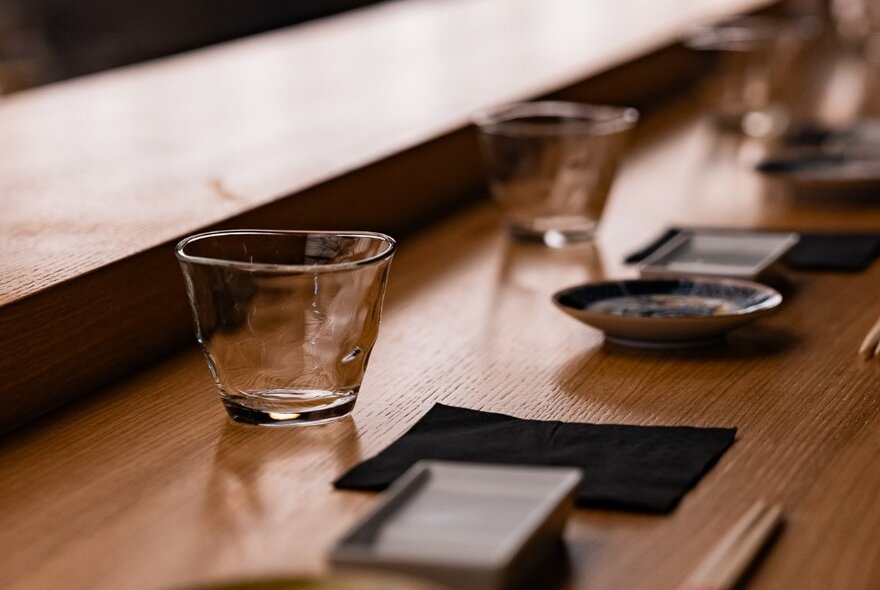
(760, 124)
(555, 238)
(291, 416)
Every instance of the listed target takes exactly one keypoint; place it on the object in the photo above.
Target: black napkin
(826, 251)
(850, 252)
(645, 468)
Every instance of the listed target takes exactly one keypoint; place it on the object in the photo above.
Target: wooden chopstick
(728, 560)
(871, 345)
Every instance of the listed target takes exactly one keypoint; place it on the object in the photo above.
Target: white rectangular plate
(468, 526)
(741, 254)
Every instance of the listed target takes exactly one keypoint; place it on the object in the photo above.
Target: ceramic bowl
(667, 313)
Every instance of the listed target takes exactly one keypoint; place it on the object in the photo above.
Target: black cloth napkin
(848, 252)
(643, 468)
(826, 251)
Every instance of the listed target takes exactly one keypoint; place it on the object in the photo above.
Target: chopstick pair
(871, 345)
(729, 559)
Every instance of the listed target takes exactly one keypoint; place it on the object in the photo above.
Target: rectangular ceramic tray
(467, 526)
(741, 254)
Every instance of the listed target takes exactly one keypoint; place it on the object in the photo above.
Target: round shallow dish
(667, 313)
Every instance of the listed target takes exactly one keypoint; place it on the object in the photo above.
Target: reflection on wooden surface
(104, 167)
(151, 477)
(242, 495)
(357, 121)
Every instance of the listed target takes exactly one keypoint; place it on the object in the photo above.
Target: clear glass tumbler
(286, 319)
(756, 56)
(551, 165)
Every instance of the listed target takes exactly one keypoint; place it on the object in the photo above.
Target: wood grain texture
(147, 485)
(100, 168)
(87, 330)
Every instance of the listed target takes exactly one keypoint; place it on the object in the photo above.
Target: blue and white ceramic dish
(667, 313)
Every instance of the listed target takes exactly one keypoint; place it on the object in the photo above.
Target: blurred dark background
(48, 40)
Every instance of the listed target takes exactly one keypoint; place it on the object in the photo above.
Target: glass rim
(742, 33)
(585, 119)
(182, 256)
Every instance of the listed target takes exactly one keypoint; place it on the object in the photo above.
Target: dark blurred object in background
(47, 40)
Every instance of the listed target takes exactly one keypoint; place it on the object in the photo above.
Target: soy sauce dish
(669, 313)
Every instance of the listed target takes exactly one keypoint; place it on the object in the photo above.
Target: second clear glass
(551, 165)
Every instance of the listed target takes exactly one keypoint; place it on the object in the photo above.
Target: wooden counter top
(352, 122)
(147, 485)
(103, 167)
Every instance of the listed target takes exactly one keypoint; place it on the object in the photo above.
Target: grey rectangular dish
(467, 526)
(740, 254)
